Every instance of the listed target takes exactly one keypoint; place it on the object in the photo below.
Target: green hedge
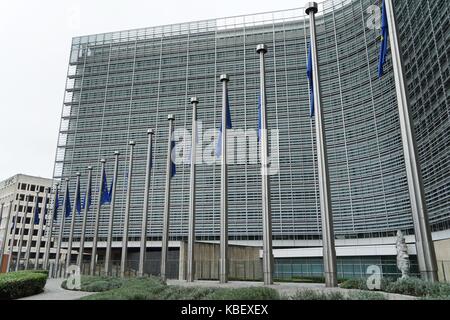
(96, 283)
(34, 271)
(14, 285)
(420, 288)
(409, 286)
(250, 293)
(310, 294)
(153, 288)
(361, 284)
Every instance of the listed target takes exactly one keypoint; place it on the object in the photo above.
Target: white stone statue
(402, 255)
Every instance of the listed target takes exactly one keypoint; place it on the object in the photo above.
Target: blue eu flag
(13, 224)
(55, 214)
(384, 40)
(110, 191)
(151, 159)
(105, 194)
(68, 206)
(78, 200)
(36, 214)
(309, 73)
(173, 168)
(229, 126)
(45, 214)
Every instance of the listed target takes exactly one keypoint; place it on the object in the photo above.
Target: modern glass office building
(121, 83)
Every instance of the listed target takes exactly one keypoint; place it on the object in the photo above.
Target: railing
(152, 267)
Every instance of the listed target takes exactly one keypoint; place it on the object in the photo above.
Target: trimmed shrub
(410, 286)
(14, 285)
(361, 284)
(153, 288)
(96, 284)
(309, 294)
(183, 293)
(252, 293)
(420, 288)
(33, 271)
(356, 283)
(366, 295)
(145, 288)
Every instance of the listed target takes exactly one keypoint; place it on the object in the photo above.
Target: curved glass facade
(119, 84)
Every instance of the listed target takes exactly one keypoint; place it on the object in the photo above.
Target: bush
(409, 286)
(153, 288)
(361, 284)
(354, 284)
(145, 288)
(253, 293)
(366, 295)
(34, 271)
(420, 288)
(96, 284)
(309, 294)
(14, 285)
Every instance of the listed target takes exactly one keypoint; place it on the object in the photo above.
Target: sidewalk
(53, 291)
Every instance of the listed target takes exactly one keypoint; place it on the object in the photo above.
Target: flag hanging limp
(55, 214)
(105, 196)
(309, 73)
(229, 126)
(384, 40)
(67, 201)
(173, 168)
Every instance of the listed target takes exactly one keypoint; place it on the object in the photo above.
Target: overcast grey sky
(36, 38)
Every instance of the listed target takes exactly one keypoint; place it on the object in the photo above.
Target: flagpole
(85, 212)
(223, 269)
(31, 232)
(61, 229)
(265, 179)
(329, 253)
(13, 235)
(111, 215)
(166, 218)
(426, 255)
(41, 227)
(72, 222)
(22, 231)
(190, 276)
(48, 242)
(97, 219)
(123, 261)
(150, 133)
(5, 234)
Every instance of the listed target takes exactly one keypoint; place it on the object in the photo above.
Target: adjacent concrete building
(20, 191)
